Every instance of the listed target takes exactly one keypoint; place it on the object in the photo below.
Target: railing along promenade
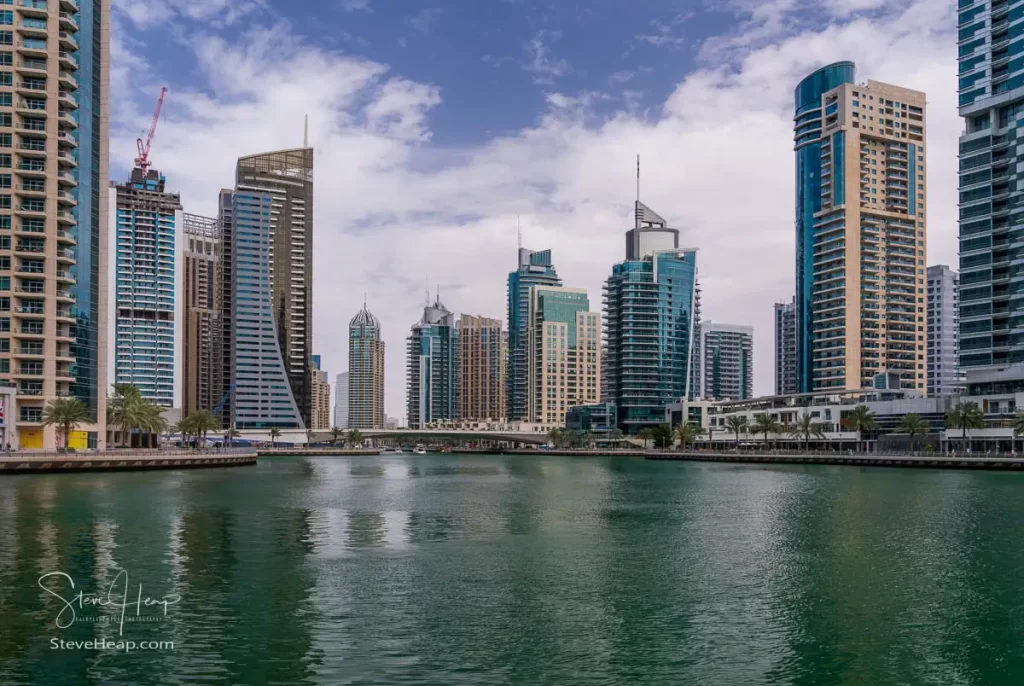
(123, 459)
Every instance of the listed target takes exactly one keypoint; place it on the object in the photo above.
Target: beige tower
(481, 369)
(867, 299)
(53, 216)
(564, 340)
(202, 369)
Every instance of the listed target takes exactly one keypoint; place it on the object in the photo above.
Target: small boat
(397, 451)
(420, 451)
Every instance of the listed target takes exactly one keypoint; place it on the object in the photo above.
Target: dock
(1002, 463)
(123, 460)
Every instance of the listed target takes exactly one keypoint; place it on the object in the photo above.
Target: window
(6, 18)
(6, 38)
(6, 79)
(5, 140)
(6, 59)
(5, 160)
(5, 100)
(5, 119)
(5, 202)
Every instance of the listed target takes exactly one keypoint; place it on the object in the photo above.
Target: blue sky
(438, 126)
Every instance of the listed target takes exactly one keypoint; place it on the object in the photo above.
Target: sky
(439, 126)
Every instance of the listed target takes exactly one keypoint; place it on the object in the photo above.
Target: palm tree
(965, 416)
(765, 423)
(806, 428)
(275, 433)
(67, 413)
(646, 435)
(1018, 427)
(913, 425)
(128, 410)
(557, 436)
(355, 437)
(861, 419)
(687, 433)
(230, 435)
(309, 436)
(336, 434)
(737, 424)
(202, 422)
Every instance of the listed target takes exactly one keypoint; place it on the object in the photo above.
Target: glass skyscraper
(432, 367)
(991, 42)
(365, 372)
(652, 316)
(535, 269)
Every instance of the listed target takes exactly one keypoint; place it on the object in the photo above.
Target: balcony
(34, 107)
(32, 128)
(66, 237)
(32, 49)
(64, 336)
(33, 8)
(65, 276)
(29, 250)
(33, 68)
(33, 29)
(65, 316)
(65, 118)
(30, 392)
(66, 198)
(68, 22)
(68, 41)
(68, 99)
(30, 312)
(66, 218)
(67, 60)
(66, 178)
(65, 296)
(67, 256)
(31, 169)
(32, 191)
(66, 158)
(69, 5)
(68, 80)
(32, 148)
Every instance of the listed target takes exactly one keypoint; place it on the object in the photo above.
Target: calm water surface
(445, 569)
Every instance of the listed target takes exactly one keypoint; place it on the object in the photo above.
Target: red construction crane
(142, 161)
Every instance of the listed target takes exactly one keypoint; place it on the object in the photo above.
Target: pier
(999, 463)
(123, 460)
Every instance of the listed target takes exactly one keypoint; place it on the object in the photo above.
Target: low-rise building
(593, 419)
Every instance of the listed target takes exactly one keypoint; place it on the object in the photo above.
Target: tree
(737, 424)
(1018, 427)
(765, 423)
(616, 436)
(687, 433)
(66, 413)
(806, 428)
(861, 419)
(913, 425)
(355, 437)
(336, 434)
(128, 410)
(646, 435)
(309, 436)
(187, 429)
(275, 434)
(965, 416)
(662, 435)
(230, 435)
(202, 422)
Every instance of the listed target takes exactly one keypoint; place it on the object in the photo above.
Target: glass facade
(432, 371)
(263, 395)
(652, 311)
(810, 118)
(991, 70)
(535, 269)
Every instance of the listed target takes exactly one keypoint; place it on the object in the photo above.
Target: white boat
(420, 451)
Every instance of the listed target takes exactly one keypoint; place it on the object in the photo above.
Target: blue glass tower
(432, 370)
(991, 45)
(652, 315)
(809, 123)
(535, 269)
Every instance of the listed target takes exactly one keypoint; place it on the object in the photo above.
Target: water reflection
(452, 569)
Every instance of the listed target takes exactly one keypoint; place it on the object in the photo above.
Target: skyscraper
(341, 401)
(481, 368)
(225, 202)
(992, 105)
(860, 212)
(432, 367)
(652, 316)
(321, 392)
(53, 271)
(564, 340)
(145, 325)
(535, 269)
(286, 178)
(365, 372)
(727, 361)
(202, 359)
(263, 396)
(785, 348)
(944, 375)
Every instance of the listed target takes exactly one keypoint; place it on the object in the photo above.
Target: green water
(445, 569)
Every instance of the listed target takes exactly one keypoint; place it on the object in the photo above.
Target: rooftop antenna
(438, 294)
(638, 178)
(364, 300)
(305, 133)
(519, 232)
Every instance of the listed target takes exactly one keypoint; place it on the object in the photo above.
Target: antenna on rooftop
(305, 133)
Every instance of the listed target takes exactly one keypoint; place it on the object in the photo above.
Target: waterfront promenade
(916, 460)
(124, 460)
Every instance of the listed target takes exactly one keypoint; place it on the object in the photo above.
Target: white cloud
(425, 19)
(544, 67)
(394, 211)
(356, 5)
(662, 37)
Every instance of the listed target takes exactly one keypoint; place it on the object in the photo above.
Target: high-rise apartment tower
(432, 367)
(860, 211)
(481, 368)
(366, 372)
(54, 120)
(944, 374)
(535, 269)
(727, 361)
(785, 348)
(202, 360)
